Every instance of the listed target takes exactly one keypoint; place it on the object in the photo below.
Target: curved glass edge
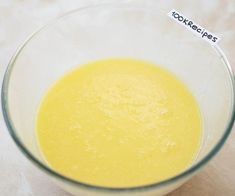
(190, 171)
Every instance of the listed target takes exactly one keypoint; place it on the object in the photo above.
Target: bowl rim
(189, 171)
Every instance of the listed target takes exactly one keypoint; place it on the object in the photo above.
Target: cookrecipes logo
(195, 28)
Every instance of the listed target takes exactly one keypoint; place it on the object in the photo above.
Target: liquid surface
(119, 123)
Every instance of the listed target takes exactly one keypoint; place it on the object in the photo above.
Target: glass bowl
(133, 30)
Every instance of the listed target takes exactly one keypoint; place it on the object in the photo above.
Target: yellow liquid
(119, 123)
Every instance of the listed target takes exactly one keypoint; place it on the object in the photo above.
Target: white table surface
(19, 18)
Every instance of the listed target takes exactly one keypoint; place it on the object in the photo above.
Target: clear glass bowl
(111, 30)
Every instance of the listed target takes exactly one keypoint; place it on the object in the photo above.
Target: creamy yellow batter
(120, 123)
